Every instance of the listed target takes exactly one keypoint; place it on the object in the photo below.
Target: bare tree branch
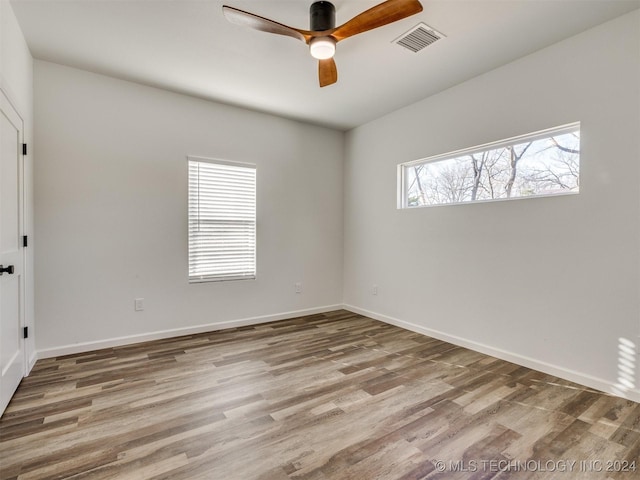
(564, 149)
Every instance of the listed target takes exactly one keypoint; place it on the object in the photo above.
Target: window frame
(402, 192)
(217, 277)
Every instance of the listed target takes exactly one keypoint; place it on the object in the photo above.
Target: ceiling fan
(323, 34)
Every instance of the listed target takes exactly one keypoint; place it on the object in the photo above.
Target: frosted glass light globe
(322, 47)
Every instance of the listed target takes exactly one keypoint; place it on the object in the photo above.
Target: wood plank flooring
(329, 396)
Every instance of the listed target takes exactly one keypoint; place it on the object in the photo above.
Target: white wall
(16, 80)
(111, 212)
(552, 283)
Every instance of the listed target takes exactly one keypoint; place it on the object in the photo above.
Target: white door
(12, 358)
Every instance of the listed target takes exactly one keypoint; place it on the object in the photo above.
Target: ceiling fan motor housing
(323, 16)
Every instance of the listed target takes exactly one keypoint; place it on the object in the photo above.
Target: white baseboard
(561, 372)
(32, 361)
(176, 332)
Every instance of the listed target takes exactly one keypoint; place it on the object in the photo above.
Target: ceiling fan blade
(327, 72)
(246, 19)
(378, 16)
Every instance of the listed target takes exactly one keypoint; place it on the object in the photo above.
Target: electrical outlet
(298, 286)
(138, 304)
(374, 290)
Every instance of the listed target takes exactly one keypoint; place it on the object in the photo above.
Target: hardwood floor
(330, 396)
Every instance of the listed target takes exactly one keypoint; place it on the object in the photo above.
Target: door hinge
(25, 332)
(24, 149)
(25, 241)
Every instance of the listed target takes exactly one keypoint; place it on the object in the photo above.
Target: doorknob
(8, 269)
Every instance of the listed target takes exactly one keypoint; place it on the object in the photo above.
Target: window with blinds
(222, 220)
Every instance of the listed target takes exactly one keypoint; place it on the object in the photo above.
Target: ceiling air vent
(418, 37)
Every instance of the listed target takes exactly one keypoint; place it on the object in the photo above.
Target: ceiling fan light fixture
(322, 48)
(323, 34)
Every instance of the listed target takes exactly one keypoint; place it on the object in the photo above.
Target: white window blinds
(222, 220)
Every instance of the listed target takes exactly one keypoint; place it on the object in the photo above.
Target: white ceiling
(187, 46)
